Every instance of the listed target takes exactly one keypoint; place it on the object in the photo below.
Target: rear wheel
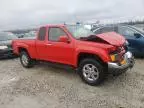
(26, 60)
(91, 71)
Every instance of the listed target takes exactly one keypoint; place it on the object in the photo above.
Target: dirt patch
(48, 86)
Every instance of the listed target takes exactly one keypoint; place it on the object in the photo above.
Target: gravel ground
(46, 86)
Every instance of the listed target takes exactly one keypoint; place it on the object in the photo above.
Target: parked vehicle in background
(28, 35)
(6, 44)
(134, 36)
(20, 35)
(93, 56)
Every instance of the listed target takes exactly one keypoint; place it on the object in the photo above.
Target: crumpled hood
(7, 43)
(112, 38)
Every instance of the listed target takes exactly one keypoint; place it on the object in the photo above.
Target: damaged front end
(120, 58)
(119, 67)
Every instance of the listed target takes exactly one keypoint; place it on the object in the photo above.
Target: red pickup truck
(92, 55)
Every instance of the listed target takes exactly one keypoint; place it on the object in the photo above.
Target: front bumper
(116, 68)
(6, 53)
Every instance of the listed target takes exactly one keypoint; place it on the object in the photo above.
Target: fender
(101, 53)
(28, 45)
(21, 45)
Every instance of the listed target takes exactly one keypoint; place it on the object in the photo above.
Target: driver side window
(55, 33)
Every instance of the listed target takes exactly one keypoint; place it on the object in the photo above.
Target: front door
(61, 52)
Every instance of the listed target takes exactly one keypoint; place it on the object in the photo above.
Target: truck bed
(25, 43)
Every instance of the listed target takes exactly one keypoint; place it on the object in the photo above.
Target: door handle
(49, 44)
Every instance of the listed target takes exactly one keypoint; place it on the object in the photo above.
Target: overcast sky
(27, 13)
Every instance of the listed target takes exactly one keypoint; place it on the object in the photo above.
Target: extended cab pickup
(92, 55)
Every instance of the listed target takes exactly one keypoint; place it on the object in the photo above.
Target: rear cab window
(42, 33)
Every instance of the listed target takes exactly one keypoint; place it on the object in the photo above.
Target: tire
(26, 60)
(91, 71)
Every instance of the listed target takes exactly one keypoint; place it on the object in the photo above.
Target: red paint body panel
(27, 44)
(112, 38)
(67, 53)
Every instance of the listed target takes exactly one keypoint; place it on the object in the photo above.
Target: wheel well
(82, 56)
(22, 49)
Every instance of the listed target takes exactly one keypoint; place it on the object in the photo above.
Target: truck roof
(56, 25)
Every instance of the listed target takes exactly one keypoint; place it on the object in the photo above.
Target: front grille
(121, 49)
(120, 53)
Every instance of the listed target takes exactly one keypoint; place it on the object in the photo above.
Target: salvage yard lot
(46, 86)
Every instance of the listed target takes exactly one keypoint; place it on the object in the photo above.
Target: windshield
(79, 31)
(7, 36)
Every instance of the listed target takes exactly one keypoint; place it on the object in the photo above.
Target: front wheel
(91, 71)
(26, 60)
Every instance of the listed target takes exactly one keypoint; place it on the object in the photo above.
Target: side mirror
(137, 35)
(63, 39)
